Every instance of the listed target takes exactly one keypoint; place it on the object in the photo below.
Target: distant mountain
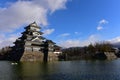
(117, 44)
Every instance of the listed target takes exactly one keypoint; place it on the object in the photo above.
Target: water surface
(64, 70)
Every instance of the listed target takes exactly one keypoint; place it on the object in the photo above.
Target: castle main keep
(32, 46)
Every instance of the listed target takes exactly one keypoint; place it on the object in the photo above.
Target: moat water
(64, 70)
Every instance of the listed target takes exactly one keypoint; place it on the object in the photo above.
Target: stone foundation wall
(32, 56)
(52, 56)
(110, 55)
(38, 56)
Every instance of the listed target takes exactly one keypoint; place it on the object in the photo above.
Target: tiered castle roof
(32, 38)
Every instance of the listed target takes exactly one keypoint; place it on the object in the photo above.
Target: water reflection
(6, 71)
(31, 70)
(69, 70)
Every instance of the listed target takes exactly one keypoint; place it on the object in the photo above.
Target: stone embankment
(110, 55)
(38, 56)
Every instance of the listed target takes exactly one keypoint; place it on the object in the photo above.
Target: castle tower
(32, 45)
(33, 38)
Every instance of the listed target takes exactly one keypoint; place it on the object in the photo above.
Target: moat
(62, 70)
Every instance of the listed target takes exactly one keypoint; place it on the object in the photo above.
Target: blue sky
(66, 22)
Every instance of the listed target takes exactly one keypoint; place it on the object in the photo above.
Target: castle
(32, 46)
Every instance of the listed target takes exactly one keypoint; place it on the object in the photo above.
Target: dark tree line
(88, 52)
(4, 52)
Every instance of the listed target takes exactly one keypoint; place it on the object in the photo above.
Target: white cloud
(101, 24)
(64, 34)
(2, 36)
(79, 43)
(48, 32)
(103, 21)
(52, 5)
(23, 12)
(115, 40)
(70, 43)
(7, 40)
(27, 11)
(77, 33)
(99, 28)
(91, 39)
(56, 4)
